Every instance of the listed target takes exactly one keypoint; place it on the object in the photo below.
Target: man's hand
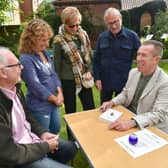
(122, 125)
(51, 139)
(47, 135)
(106, 105)
(53, 144)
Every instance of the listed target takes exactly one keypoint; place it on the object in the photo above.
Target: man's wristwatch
(135, 123)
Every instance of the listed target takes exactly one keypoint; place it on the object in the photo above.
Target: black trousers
(85, 95)
(107, 95)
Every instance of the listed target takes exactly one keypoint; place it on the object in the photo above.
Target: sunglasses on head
(72, 26)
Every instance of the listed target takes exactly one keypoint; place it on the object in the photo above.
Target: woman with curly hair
(44, 93)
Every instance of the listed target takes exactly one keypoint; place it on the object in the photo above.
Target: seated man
(23, 142)
(146, 91)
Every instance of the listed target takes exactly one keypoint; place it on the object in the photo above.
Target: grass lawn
(80, 160)
(164, 66)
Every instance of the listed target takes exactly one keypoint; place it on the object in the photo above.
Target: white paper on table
(147, 142)
(110, 115)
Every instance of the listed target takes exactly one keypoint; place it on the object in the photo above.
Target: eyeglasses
(116, 22)
(13, 65)
(72, 26)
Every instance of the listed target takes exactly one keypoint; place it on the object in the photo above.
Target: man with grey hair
(145, 93)
(113, 55)
(23, 142)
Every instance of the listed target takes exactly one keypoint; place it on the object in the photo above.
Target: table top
(97, 142)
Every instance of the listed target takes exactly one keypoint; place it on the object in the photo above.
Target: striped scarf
(78, 62)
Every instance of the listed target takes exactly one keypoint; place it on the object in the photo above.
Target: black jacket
(12, 154)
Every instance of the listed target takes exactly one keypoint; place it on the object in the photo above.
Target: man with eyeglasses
(113, 55)
(23, 142)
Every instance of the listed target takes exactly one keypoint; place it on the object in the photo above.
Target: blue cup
(133, 139)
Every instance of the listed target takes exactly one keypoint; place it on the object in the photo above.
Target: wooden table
(97, 142)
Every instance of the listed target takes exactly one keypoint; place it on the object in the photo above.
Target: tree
(47, 12)
(159, 28)
(160, 25)
(6, 6)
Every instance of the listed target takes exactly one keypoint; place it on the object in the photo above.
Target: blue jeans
(66, 152)
(45, 163)
(51, 122)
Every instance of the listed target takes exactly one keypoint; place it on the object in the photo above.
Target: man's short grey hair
(3, 60)
(111, 10)
(158, 46)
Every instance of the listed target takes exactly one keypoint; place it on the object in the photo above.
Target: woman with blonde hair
(44, 93)
(72, 60)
